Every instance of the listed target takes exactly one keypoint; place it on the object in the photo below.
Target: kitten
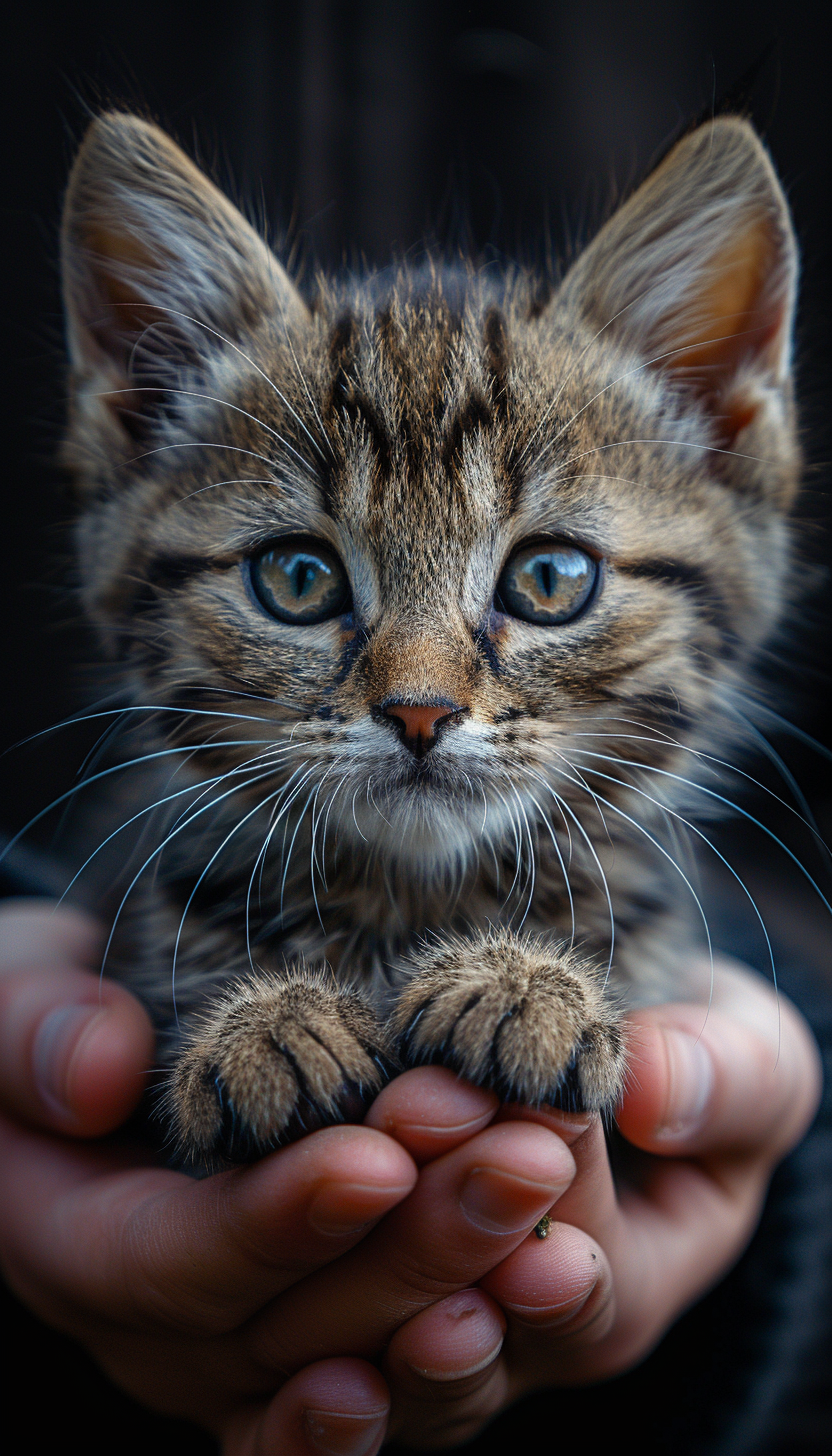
(425, 588)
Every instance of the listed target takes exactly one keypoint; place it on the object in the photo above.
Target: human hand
(715, 1101)
(200, 1298)
(171, 1300)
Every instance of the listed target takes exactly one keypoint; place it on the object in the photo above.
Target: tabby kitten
(427, 591)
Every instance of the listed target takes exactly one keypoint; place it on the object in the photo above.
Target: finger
(468, 1210)
(43, 932)
(154, 1249)
(591, 1201)
(559, 1299)
(578, 1312)
(333, 1408)
(560, 1284)
(741, 1078)
(431, 1111)
(444, 1370)
(74, 1049)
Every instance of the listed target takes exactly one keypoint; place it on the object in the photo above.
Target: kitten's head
(433, 540)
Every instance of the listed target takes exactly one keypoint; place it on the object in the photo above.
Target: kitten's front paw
(531, 1021)
(274, 1058)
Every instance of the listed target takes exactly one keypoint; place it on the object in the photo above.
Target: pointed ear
(160, 270)
(697, 272)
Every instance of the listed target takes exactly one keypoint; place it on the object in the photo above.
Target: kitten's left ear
(696, 273)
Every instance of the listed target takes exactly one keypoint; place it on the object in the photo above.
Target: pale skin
(383, 1281)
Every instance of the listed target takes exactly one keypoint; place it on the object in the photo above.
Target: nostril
(419, 722)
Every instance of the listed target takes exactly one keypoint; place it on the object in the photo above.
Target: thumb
(74, 1049)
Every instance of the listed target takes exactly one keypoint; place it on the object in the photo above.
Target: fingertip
(453, 1340)
(332, 1408)
(446, 1370)
(670, 1078)
(367, 1174)
(430, 1111)
(74, 1050)
(107, 1068)
(741, 1074)
(549, 1283)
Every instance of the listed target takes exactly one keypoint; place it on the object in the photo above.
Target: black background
(350, 132)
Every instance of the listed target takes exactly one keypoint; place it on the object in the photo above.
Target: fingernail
(691, 1074)
(548, 1317)
(499, 1202)
(427, 1372)
(471, 1338)
(342, 1210)
(52, 1050)
(339, 1434)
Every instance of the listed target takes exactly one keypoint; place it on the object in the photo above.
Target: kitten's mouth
(422, 772)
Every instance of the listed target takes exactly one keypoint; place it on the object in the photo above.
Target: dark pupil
(302, 573)
(546, 575)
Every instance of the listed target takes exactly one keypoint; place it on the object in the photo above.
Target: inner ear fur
(697, 272)
(158, 268)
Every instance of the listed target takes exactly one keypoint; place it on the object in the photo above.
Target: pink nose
(420, 722)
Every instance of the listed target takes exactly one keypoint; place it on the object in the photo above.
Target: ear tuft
(159, 268)
(697, 272)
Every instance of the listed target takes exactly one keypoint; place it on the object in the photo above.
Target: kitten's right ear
(160, 271)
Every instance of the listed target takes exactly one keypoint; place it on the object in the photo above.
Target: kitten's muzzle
(419, 724)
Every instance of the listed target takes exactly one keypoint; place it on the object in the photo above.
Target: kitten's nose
(419, 723)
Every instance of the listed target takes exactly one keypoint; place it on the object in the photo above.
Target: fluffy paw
(275, 1058)
(529, 1020)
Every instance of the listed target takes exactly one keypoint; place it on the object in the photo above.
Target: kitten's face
(446, 545)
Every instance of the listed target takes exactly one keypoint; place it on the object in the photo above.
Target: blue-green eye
(301, 582)
(546, 583)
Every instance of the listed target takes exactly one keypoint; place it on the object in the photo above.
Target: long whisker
(660, 847)
(148, 809)
(680, 444)
(799, 733)
(202, 445)
(567, 809)
(215, 484)
(214, 857)
(105, 773)
(545, 820)
(737, 809)
(806, 817)
(694, 828)
(528, 833)
(636, 369)
(309, 395)
(160, 849)
(296, 791)
(226, 404)
(155, 708)
(178, 313)
(791, 783)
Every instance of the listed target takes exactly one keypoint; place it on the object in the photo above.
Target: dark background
(355, 132)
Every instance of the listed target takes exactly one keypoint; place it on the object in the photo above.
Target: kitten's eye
(547, 583)
(300, 582)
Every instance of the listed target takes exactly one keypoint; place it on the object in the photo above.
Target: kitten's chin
(431, 830)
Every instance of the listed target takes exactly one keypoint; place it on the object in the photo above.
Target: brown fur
(423, 425)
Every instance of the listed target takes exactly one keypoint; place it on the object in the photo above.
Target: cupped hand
(252, 1302)
(715, 1100)
(261, 1303)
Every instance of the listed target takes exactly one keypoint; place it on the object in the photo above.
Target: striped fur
(423, 423)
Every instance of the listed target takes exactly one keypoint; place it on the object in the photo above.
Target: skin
(381, 1281)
